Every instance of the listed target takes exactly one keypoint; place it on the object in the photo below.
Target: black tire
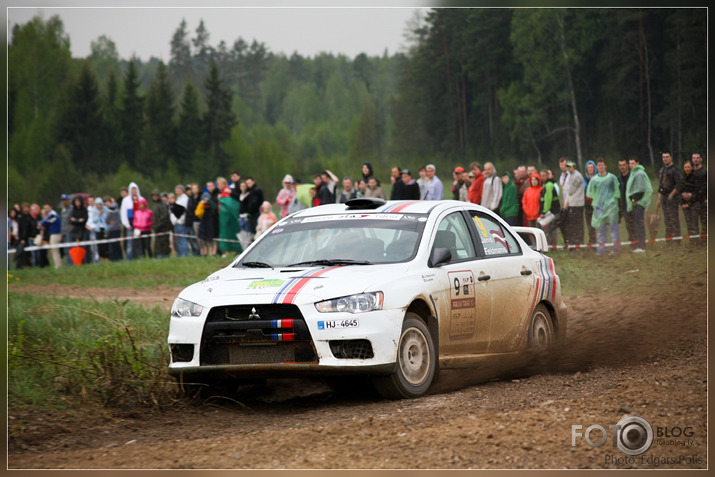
(416, 362)
(542, 335)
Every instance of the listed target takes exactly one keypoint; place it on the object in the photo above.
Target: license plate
(338, 324)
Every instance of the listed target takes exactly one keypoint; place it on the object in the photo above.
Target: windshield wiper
(328, 262)
(255, 265)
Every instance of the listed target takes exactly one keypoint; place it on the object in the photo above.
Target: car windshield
(349, 239)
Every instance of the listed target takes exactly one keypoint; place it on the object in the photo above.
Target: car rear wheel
(541, 330)
(416, 362)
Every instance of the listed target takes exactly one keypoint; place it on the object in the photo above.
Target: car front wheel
(416, 362)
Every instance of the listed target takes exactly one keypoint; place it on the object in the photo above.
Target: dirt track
(623, 356)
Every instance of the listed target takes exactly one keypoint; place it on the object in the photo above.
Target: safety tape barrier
(120, 239)
(112, 240)
(632, 242)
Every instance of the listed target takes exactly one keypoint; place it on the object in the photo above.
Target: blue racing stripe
(543, 279)
(287, 286)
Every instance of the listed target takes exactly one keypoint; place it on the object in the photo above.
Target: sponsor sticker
(462, 305)
(269, 283)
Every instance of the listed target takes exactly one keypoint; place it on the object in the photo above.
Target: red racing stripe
(553, 278)
(295, 289)
(403, 206)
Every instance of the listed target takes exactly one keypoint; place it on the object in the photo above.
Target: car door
(511, 281)
(464, 301)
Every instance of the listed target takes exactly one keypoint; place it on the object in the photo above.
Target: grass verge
(65, 353)
(143, 273)
(627, 273)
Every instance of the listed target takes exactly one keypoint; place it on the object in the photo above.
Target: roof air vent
(364, 203)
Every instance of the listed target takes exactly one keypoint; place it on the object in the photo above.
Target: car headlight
(183, 308)
(352, 304)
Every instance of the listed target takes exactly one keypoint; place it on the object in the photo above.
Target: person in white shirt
(492, 188)
(563, 195)
(435, 189)
(126, 214)
(178, 219)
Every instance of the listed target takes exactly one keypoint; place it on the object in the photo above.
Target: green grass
(67, 352)
(137, 274)
(630, 274)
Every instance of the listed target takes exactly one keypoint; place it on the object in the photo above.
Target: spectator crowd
(225, 216)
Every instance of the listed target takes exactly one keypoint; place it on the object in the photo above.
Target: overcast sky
(147, 31)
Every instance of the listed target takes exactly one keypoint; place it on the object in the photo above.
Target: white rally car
(394, 290)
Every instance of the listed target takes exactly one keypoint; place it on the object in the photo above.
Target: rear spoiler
(534, 238)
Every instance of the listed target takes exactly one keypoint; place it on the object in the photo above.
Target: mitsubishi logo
(254, 315)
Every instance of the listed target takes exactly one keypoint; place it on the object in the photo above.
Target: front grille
(351, 349)
(256, 334)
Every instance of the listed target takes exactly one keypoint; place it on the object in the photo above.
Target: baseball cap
(405, 171)
(64, 196)
(459, 170)
(570, 164)
(430, 166)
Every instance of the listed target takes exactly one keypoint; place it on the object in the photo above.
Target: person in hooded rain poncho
(129, 205)
(143, 222)
(97, 226)
(509, 208)
(604, 191)
(638, 192)
(531, 200)
(229, 218)
(589, 173)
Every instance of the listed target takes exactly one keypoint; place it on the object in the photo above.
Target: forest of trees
(504, 85)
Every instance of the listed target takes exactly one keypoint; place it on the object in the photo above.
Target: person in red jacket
(143, 221)
(475, 189)
(531, 200)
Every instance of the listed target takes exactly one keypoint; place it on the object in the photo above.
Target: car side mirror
(440, 256)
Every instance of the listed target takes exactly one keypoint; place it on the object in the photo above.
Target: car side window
(495, 238)
(453, 234)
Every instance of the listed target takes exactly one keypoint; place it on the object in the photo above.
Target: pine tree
(80, 125)
(131, 117)
(220, 118)
(203, 52)
(160, 131)
(180, 63)
(189, 137)
(110, 117)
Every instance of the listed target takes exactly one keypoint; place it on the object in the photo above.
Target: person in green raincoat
(604, 192)
(638, 192)
(509, 207)
(227, 219)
